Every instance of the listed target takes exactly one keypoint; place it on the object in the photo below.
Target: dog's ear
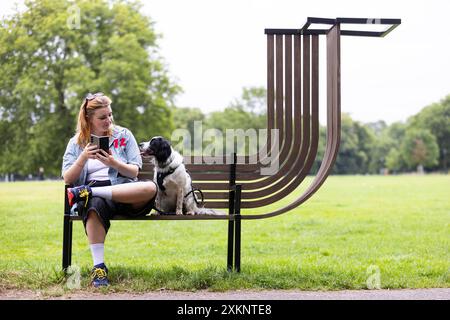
(153, 139)
(163, 151)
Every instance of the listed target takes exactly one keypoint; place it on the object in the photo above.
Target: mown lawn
(357, 232)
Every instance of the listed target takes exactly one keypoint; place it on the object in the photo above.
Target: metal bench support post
(237, 229)
(67, 235)
(231, 198)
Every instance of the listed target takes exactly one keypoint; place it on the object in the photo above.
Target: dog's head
(158, 147)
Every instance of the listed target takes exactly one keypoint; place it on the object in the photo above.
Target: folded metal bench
(293, 112)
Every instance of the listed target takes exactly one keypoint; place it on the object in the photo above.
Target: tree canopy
(436, 119)
(54, 53)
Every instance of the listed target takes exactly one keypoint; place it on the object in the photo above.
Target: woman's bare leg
(94, 228)
(137, 193)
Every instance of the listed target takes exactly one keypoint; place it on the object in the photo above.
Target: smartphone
(101, 142)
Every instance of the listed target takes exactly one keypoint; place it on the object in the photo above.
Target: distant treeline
(421, 143)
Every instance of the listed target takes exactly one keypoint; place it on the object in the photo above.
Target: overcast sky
(215, 48)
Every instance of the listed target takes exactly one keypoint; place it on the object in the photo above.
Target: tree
(378, 127)
(395, 161)
(382, 144)
(379, 151)
(366, 143)
(187, 118)
(356, 141)
(436, 119)
(245, 113)
(253, 100)
(55, 52)
(419, 148)
(230, 118)
(393, 137)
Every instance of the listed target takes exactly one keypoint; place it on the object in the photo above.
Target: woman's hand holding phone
(89, 152)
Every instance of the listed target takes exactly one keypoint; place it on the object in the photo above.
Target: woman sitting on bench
(105, 182)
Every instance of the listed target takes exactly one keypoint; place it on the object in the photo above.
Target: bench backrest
(292, 109)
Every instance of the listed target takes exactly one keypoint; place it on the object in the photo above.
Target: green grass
(355, 227)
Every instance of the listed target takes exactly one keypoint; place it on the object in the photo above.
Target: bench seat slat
(167, 217)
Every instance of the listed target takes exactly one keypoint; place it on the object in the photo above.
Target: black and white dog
(175, 191)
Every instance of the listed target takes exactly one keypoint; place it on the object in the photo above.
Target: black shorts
(107, 209)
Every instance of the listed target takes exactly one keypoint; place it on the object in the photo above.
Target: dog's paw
(179, 212)
(190, 213)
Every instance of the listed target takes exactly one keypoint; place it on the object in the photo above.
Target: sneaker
(78, 193)
(99, 276)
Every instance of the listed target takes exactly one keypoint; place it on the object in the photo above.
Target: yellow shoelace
(84, 194)
(99, 272)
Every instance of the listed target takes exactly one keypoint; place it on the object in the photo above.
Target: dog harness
(160, 179)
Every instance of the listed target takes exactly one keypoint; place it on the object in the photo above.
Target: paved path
(404, 294)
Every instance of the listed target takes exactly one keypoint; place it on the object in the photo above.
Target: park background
(362, 223)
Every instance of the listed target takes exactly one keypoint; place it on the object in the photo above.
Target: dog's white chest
(170, 187)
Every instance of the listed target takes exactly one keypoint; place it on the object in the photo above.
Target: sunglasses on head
(91, 96)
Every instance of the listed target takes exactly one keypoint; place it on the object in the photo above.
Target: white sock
(98, 253)
(103, 192)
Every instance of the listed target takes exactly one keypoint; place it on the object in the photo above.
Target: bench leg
(237, 244)
(237, 229)
(230, 252)
(230, 245)
(67, 243)
(231, 211)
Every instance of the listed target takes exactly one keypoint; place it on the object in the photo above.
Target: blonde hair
(87, 109)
